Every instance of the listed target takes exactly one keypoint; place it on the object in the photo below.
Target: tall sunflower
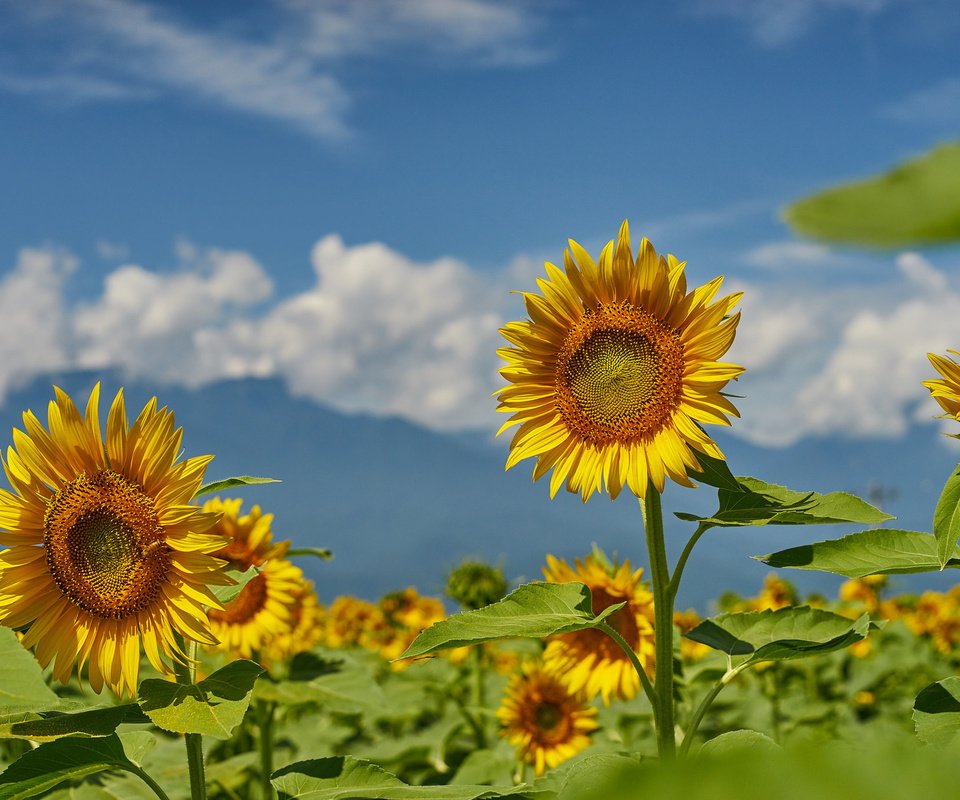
(615, 370)
(105, 554)
(946, 389)
(589, 659)
(544, 718)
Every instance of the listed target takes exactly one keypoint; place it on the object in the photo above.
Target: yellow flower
(544, 719)
(776, 594)
(686, 621)
(262, 610)
(946, 390)
(351, 620)
(305, 627)
(105, 552)
(249, 538)
(615, 370)
(589, 659)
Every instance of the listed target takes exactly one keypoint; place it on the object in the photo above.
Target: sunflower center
(245, 605)
(105, 546)
(619, 375)
(547, 716)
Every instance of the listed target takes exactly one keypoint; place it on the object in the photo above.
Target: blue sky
(342, 193)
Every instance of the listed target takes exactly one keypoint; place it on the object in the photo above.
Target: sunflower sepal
(230, 483)
(213, 707)
(533, 611)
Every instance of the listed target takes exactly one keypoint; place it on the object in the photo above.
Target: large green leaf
(52, 763)
(762, 503)
(879, 551)
(914, 204)
(946, 518)
(787, 633)
(22, 687)
(53, 725)
(533, 611)
(212, 707)
(344, 777)
(231, 483)
(936, 712)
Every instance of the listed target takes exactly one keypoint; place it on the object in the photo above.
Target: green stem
(194, 741)
(479, 699)
(682, 561)
(648, 689)
(157, 789)
(707, 701)
(265, 720)
(773, 694)
(663, 624)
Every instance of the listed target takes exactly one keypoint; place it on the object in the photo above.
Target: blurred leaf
(534, 611)
(914, 204)
(239, 579)
(342, 692)
(762, 503)
(738, 741)
(231, 483)
(780, 635)
(22, 687)
(343, 777)
(52, 763)
(212, 707)
(936, 712)
(879, 551)
(946, 518)
(93, 723)
(486, 767)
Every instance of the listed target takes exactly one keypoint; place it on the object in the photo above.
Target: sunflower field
(159, 641)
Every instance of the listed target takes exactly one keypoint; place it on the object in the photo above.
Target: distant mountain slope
(399, 504)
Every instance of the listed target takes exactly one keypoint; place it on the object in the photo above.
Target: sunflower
(591, 660)
(946, 390)
(105, 554)
(249, 539)
(305, 628)
(615, 370)
(262, 610)
(544, 718)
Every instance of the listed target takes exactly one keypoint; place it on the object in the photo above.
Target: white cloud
(34, 317)
(921, 273)
(939, 103)
(123, 49)
(111, 251)
(774, 255)
(776, 22)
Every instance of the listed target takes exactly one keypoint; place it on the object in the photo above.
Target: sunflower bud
(474, 584)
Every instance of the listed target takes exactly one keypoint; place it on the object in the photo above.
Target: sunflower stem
(705, 704)
(648, 689)
(682, 561)
(194, 741)
(265, 720)
(663, 624)
(145, 777)
(479, 700)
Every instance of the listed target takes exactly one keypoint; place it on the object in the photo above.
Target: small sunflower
(946, 389)
(612, 375)
(544, 718)
(306, 625)
(248, 536)
(591, 660)
(261, 611)
(105, 554)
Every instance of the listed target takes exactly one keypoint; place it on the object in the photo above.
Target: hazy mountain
(399, 504)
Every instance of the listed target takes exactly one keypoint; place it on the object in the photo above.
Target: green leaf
(936, 712)
(715, 472)
(343, 777)
(916, 203)
(946, 518)
(230, 483)
(344, 692)
(533, 611)
(779, 635)
(212, 707)
(874, 552)
(22, 687)
(762, 503)
(741, 741)
(323, 553)
(240, 579)
(93, 723)
(52, 763)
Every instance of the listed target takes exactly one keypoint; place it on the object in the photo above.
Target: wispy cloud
(126, 49)
(937, 104)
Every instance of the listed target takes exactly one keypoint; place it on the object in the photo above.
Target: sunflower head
(248, 539)
(946, 389)
(475, 584)
(589, 659)
(616, 369)
(305, 627)
(544, 718)
(105, 554)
